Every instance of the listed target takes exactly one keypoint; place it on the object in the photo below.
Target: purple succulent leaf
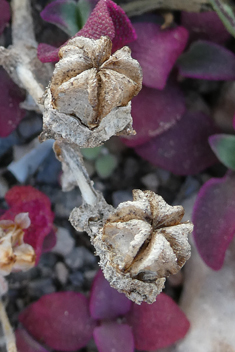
(10, 98)
(105, 301)
(64, 14)
(157, 50)
(59, 320)
(47, 53)
(25, 343)
(207, 60)
(154, 112)
(204, 25)
(184, 148)
(111, 336)
(214, 219)
(157, 325)
(223, 145)
(5, 14)
(107, 18)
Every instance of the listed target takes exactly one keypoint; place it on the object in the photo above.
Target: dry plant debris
(142, 242)
(91, 91)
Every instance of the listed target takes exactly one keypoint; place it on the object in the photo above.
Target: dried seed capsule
(91, 88)
(141, 244)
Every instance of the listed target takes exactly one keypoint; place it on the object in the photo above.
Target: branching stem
(9, 336)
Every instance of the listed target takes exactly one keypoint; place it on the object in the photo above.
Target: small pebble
(40, 287)
(66, 201)
(79, 257)
(64, 243)
(61, 272)
(76, 279)
(163, 176)
(30, 126)
(49, 170)
(150, 181)
(90, 275)
(120, 197)
(48, 259)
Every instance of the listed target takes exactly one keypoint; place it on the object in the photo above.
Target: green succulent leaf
(84, 9)
(226, 12)
(91, 153)
(105, 165)
(223, 145)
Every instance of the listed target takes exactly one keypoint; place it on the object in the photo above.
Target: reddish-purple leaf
(112, 336)
(59, 320)
(23, 199)
(10, 98)
(64, 14)
(207, 60)
(157, 50)
(205, 25)
(107, 18)
(214, 219)
(25, 343)
(154, 112)
(184, 148)
(47, 53)
(5, 14)
(105, 301)
(157, 325)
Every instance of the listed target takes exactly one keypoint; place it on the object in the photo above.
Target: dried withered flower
(88, 99)
(15, 255)
(141, 244)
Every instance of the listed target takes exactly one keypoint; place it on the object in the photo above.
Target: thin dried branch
(9, 336)
(139, 7)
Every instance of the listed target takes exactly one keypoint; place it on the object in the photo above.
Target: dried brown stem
(9, 336)
(138, 7)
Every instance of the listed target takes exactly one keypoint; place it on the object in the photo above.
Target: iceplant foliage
(213, 218)
(115, 322)
(107, 19)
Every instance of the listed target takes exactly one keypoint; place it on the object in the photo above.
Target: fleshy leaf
(10, 98)
(105, 165)
(91, 153)
(105, 301)
(157, 325)
(114, 337)
(64, 14)
(25, 343)
(60, 320)
(207, 60)
(184, 148)
(223, 146)
(157, 50)
(107, 18)
(204, 25)
(154, 112)
(214, 219)
(226, 14)
(5, 14)
(26, 199)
